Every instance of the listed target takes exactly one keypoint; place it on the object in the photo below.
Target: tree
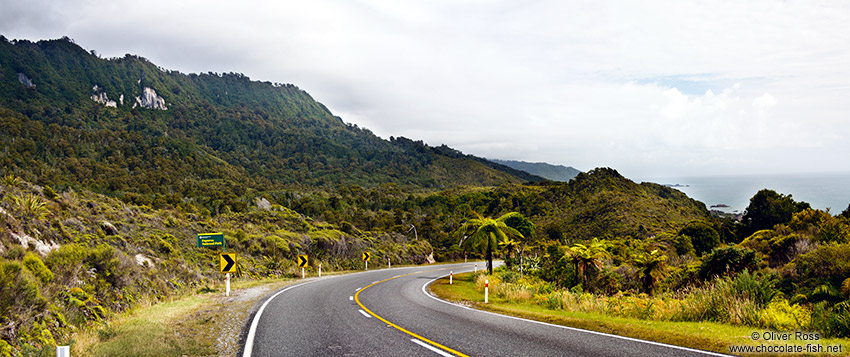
(767, 209)
(524, 226)
(585, 257)
(486, 233)
(508, 245)
(703, 237)
(650, 268)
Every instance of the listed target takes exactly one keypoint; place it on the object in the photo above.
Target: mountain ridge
(82, 110)
(542, 169)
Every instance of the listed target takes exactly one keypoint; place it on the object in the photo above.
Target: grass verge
(200, 324)
(186, 325)
(708, 336)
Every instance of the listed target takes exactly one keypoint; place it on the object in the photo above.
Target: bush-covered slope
(151, 126)
(542, 169)
(74, 258)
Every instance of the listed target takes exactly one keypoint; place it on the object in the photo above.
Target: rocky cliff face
(25, 80)
(99, 96)
(150, 100)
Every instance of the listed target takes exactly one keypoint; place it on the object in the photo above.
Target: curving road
(389, 312)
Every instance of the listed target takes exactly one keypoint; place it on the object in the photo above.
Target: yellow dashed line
(357, 298)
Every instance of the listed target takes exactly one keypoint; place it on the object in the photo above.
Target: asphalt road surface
(389, 312)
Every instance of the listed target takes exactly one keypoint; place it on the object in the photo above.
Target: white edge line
(364, 313)
(567, 327)
(432, 348)
(252, 331)
(249, 341)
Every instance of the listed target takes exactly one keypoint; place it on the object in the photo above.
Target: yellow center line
(402, 329)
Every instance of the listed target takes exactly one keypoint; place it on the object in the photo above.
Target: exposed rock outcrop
(98, 95)
(40, 246)
(109, 228)
(150, 100)
(263, 203)
(25, 80)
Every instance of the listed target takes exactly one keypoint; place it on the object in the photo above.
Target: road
(389, 312)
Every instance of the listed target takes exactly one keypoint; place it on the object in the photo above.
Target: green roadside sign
(214, 240)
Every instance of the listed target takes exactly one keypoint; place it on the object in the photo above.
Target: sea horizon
(821, 190)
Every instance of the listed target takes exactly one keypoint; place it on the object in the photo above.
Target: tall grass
(745, 300)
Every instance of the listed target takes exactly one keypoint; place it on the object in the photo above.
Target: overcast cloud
(651, 88)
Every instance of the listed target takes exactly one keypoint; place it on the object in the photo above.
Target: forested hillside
(542, 169)
(148, 135)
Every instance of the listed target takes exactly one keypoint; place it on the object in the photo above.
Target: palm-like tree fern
(585, 257)
(486, 233)
(650, 267)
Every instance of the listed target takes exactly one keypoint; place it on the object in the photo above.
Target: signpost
(302, 263)
(214, 240)
(366, 257)
(227, 262)
(208, 240)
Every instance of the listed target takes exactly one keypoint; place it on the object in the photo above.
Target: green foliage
(37, 267)
(703, 237)
(11, 180)
(31, 206)
(759, 289)
(485, 233)
(832, 321)
(827, 264)
(767, 209)
(728, 260)
(49, 193)
(19, 290)
(683, 245)
(650, 267)
(586, 258)
(781, 316)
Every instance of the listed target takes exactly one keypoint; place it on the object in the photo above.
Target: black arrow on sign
(229, 261)
(302, 261)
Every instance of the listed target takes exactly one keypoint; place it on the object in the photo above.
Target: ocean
(821, 191)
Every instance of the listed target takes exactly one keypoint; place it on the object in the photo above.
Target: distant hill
(542, 169)
(131, 129)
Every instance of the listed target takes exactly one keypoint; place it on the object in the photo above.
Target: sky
(650, 88)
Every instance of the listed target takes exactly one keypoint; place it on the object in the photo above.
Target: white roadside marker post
(450, 277)
(389, 264)
(63, 351)
(486, 290)
(302, 273)
(367, 265)
(476, 267)
(320, 270)
(227, 284)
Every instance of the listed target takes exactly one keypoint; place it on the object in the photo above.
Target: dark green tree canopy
(728, 260)
(703, 237)
(769, 208)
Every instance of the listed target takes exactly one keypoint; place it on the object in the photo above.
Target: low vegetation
(712, 318)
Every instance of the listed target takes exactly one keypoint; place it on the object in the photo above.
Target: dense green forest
(102, 195)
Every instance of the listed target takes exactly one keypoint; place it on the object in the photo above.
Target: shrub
(37, 267)
(760, 290)
(48, 192)
(728, 260)
(781, 316)
(828, 264)
(703, 237)
(18, 289)
(832, 321)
